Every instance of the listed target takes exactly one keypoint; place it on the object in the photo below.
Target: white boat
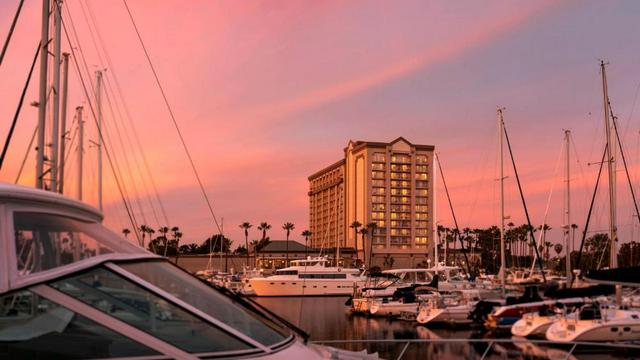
(597, 323)
(70, 288)
(310, 277)
(452, 278)
(452, 309)
(536, 324)
(402, 303)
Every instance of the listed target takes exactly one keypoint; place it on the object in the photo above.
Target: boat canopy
(619, 276)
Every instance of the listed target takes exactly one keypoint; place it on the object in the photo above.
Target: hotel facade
(390, 184)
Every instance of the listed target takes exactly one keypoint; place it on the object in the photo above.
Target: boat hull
(298, 287)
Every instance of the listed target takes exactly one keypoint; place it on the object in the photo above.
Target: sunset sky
(268, 92)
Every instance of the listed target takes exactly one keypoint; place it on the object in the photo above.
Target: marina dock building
(389, 184)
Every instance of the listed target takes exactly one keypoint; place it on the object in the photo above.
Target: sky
(266, 93)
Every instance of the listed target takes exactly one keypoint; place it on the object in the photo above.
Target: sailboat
(602, 322)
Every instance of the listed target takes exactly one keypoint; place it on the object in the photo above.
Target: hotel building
(389, 184)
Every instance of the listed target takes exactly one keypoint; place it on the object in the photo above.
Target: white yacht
(451, 309)
(309, 277)
(597, 323)
(70, 289)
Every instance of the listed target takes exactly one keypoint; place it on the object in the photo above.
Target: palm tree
(143, 231)
(306, 235)
(372, 226)
(164, 230)
(355, 225)
(288, 227)
(363, 231)
(264, 226)
(177, 235)
(246, 226)
(126, 232)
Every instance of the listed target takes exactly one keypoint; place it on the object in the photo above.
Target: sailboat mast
(436, 239)
(100, 132)
(42, 98)
(613, 231)
(568, 243)
(611, 167)
(503, 270)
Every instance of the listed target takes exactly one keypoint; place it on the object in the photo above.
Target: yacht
(451, 309)
(309, 277)
(70, 288)
(595, 322)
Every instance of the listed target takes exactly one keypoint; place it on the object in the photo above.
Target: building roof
(361, 144)
(281, 246)
(327, 169)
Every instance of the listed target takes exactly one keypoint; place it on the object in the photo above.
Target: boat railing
(484, 348)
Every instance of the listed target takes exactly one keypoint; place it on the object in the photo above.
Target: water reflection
(327, 318)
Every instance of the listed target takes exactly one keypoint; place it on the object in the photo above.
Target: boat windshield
(176, 281)
(45, 241)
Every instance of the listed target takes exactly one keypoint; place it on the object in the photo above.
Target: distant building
(386, 183)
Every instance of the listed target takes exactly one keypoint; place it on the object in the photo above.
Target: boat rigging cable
(109, 157)
(19, 108)
(453, 214)
(173, 118)
(128, 117)
(109, 143)
(593, 199)
(624, 162)
(524, 203)
(10, 34)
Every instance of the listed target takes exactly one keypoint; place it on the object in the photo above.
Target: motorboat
(309, 277)
(504, 317)
(70, 288)
(535, 324)
(450, 309)
(404, 301)
(597, 322)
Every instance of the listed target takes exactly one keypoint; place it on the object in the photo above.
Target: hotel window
(378, 199)
(423, 192)
(379, 240)
(399, 158)
(379, 207)
(421, 159)
(422, 184)
(394, 215)
(421, 216)
(377, 215)
(421, 224)
(378, 157)
(381, 224)
(378, 191)
(377, 174)
(377, 166)
(422, 208)
(377, 183)
(404, 199)
(421, 168)
(421, 176)
(422, 231)
(421, 200)
(421, 239)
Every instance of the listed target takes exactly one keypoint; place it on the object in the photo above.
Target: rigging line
(128, 116)
(26, 154)
(19, 108)
(624, 162)
(524, 203)
(86, 92)
(453, 214)
(555, 178)
(127, 163)
(593, 199)
(175, 123)
(88, 74)
(10, 34)
(633, 107)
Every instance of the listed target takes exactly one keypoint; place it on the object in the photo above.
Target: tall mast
(436, 240)
(99, 110)
(567, 210)
(53, 161)
(63, 121)
(42, 98)
(80, 149)
(611, 167)
(503, 269)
